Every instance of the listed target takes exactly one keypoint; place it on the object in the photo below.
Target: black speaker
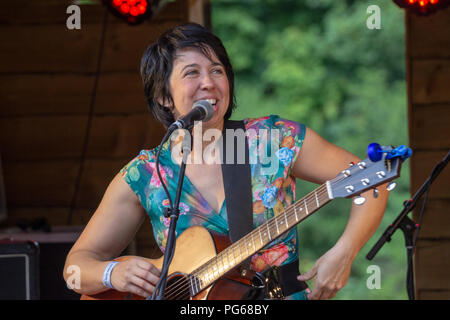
(38, 257)
(19, 270)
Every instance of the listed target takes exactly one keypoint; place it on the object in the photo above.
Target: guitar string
(319, 192)
(289, 213)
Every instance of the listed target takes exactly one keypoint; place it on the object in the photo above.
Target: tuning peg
(391, 186)
(359, 200)
(375, 193)
(346, 173)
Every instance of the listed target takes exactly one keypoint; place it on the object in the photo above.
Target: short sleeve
(292, 134)
(137, 174)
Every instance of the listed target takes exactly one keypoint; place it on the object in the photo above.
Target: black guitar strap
(236, 175)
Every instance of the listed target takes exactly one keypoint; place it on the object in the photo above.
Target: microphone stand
(408, 226)
(173, 213)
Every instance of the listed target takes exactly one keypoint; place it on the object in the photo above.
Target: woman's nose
(207, 82)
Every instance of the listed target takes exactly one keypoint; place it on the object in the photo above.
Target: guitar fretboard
(257, 239)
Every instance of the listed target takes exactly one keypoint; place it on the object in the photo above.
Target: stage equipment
(422, 7)
(19, 270)
(135, 11)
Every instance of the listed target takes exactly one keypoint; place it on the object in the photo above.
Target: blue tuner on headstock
(375, 152)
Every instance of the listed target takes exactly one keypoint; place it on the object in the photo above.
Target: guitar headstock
(368, 174)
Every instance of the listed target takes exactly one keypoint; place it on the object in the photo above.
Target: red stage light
(125, 8)
(422, 7)
(134, 11)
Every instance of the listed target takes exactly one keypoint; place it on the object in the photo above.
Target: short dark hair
(157, 63)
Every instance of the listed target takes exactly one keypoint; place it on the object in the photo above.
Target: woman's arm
(109, 231)
(319, 161)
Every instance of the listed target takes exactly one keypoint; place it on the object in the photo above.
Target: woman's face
(195, 77)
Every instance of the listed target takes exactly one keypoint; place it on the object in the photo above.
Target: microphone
(202, 110)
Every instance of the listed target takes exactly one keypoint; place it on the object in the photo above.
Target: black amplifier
(19, 270)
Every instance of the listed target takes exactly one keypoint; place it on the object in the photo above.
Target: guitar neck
(257, 239)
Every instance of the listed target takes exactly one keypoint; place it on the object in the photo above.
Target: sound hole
(177, 288)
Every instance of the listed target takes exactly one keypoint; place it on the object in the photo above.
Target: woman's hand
(331, 271)
(136, 275)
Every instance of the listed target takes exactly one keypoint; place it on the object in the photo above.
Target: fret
(227, 255)
(246, 248)
(195, 285)
(210, 274)
(285, 218)
(240, 252)
(219, 269)
(260, 237)
(191, 284)
(233, 257)
(317, 200)
(268, 231)
(224, 263)
(295, 210)
(198, 284)
(201, 279)
(217, 266)
(233, 253)
(276, 224)
(306, 207)
(253, 241)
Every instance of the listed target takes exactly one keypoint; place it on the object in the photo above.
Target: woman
(188, 63)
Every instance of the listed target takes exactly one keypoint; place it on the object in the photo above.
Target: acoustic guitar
(205, 265)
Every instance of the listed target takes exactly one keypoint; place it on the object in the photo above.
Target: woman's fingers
(138, 291)
(143, 285)
(148, 275)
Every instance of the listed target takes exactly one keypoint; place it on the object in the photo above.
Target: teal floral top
(274, 144)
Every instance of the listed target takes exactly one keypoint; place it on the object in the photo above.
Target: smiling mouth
(213, 103)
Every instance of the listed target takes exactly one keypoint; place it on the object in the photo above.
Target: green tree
(316, 62)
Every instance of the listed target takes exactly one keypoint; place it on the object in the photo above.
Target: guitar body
(194, 247)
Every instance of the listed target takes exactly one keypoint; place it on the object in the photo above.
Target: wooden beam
(421, 165)
(430, 81)
(432, 265)
(431, 128)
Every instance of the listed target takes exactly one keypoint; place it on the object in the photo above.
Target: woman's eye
(217, 71)
(191, 72)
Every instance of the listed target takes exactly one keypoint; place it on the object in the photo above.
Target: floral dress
(274, 144)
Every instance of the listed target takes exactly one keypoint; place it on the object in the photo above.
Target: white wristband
(107, 274)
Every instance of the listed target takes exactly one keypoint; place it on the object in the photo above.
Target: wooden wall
(428, 76)
(72, 109)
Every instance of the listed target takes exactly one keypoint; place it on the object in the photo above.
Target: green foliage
(316, 62)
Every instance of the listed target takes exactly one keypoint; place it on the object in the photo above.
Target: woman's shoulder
(275, 122)
(143, 160)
